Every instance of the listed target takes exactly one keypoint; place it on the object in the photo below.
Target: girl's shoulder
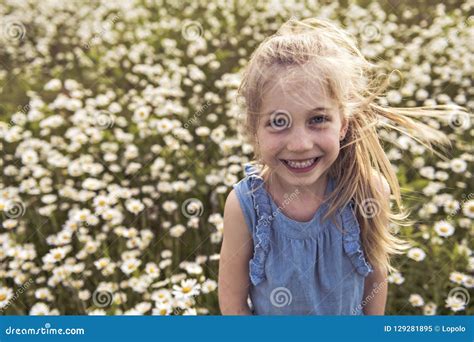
(243, 191)
(252, 198)
(250, 183)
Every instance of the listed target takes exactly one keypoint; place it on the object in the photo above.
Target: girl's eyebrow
(317, 109)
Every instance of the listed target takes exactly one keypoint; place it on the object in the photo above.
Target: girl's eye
(319, 119)
(281, 121)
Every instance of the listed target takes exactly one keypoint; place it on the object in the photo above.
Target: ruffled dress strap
(352, 242)
(263, 210)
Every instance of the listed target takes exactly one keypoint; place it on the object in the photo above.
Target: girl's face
(299, 132)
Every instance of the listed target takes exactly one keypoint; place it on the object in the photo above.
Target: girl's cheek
(330, 136)
(270, 150)
(268, 141)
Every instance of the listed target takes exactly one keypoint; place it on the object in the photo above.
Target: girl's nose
(299, 141)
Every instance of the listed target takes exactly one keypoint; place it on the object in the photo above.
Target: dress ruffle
(263, 228)
(351, 240)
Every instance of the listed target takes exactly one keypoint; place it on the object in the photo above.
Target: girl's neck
(305, 195)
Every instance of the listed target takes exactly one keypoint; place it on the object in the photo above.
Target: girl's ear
(344, 127)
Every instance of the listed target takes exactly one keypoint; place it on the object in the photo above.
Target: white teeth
(300, 165)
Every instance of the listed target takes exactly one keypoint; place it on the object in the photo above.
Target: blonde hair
(350, 80)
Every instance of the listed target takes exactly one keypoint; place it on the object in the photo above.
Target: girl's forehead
(297, 90)
(298, 74)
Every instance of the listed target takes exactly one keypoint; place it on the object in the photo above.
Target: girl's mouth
(301, 166)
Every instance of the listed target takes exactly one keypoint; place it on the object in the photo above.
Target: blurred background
(119, 144)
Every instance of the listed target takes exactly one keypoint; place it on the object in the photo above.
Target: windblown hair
(354, 84)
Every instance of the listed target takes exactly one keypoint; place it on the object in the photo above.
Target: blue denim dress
(301, 268)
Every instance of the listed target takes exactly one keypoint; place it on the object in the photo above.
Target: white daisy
(188, 288)
(141, 113)
(165, 254)
(451, 207)
(468, 282)
(134, 206)
(152, 270)
(416, 254)
(97, 312)
(458, 165)
(193, 268)
(427, 172)
(457, 277)
(130, 265)
(455, 303)
(39, 309)
(9, 224)
(161, 295)
(53, 85)
(102, 263)
(43, 294)
(416, 300)
(464, 222)
(468, 209)
(5, 295)
(430, 309)
(143, 307)
(29, 157)
(177, 230)
(208, 286)
(133, 312)
(190, 312)
(161, 283)
(203, 131)
(444, 228)
(470, 265)
(55, 255)
(84, 295)
(162, 309)
(396, 278)
(101, 202)
(170, 206)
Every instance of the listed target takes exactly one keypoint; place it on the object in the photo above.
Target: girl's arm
(236, 252)
(375, 286)
(375, 293)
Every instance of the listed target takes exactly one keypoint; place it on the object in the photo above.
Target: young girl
(307, 232)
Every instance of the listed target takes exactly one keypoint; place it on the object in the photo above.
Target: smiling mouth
(300, 164)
